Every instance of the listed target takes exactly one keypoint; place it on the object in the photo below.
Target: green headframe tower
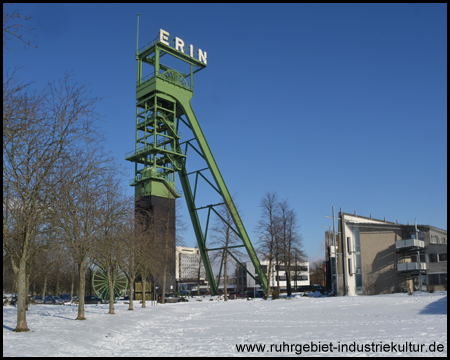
(163, 102)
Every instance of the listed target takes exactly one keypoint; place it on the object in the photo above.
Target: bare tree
(267, 231)
(12, 28)
(316, 272)
(167, 223)
(289, 238)
(113, 210)
(200, 273)
(145, 246)
(130, 262)
(78, 213)
(224, 235)
(39, 130)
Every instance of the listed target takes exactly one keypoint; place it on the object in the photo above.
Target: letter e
(164, 37)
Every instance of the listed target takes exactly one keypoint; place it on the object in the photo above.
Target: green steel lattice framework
(163, 98)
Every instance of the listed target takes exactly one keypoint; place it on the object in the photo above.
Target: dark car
(255, 294)
(171, 298)
(237, 294)
(92, 299)
(66, 298)
(305, 288)
(53, 300)
(37, 299)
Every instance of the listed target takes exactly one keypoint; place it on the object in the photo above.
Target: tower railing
(151, 146)
(162, 77)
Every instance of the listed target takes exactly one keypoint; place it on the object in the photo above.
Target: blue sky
(342, 105)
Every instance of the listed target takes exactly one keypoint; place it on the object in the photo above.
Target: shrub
(431, 288)
(9, 300)
(275, 295)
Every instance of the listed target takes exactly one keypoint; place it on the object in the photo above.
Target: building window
(437, 279)
(299, 278)
(412, 235)
(358, 271)
(422, 258)
(300, 268)
(432, 258)
(442, 257)
(434, 239)
(350, 267)
(349, 245)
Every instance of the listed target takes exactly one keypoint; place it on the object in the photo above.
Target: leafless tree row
(280, 241)
(63, 203)
(61, 194)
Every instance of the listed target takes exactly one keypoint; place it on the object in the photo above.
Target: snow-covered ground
(217, 328)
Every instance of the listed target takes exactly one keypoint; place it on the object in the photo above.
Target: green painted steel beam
(201, 140)
(197, 228)
(229, 247)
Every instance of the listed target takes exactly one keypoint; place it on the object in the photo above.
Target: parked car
(37, 299)
(92, 299)
(255, 294)
(75, 299)
(171, 298)
(53, 300)
(239, 295)
(305, 288)
(66, 298)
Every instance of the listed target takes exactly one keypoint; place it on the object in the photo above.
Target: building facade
(299, 276)
(374, 256)
(188, 264)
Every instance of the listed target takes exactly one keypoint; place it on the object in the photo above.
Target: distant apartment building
(299, 275)
(374, 256)
(187, 266)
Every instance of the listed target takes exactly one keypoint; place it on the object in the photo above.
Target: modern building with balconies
(381, 257)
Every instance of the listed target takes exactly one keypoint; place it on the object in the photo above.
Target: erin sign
(179, 45)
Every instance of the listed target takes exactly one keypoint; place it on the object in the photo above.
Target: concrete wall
(379, 261)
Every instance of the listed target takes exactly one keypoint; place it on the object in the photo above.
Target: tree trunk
(21, 298)
(288, 282)
(111, 291)
(143, 291)
(130, 305)
(71, 289)
(57, 286)
(82, 269)
(225, 282)
(269, 275)
(44, 292)
(27, 288)
(198, 280)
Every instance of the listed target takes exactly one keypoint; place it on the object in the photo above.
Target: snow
(213, 328)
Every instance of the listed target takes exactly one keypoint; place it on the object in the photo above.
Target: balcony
(411, 268)
(409, 245)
